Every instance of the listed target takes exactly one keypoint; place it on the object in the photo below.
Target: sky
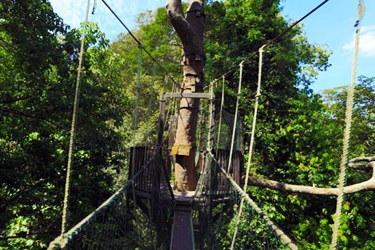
(331, 26)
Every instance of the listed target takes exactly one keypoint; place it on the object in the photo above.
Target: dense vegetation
(298, 139)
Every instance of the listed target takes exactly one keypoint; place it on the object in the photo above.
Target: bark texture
(190, 29)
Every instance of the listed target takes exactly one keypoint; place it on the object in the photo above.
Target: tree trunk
(190, 29)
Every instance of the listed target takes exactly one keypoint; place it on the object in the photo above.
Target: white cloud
(368, 28)
(367, 42)
(70, 11)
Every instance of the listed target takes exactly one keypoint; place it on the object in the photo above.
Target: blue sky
(331, 26)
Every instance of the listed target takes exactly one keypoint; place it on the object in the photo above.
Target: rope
(211, 120)
(69, 170)
(235, 119)
(221, 115)
(346, 140)
(251, 148)
(284, 238)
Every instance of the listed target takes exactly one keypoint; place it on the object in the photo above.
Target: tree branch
(180, 24)
(9, 101)
(285, 187)
(183, 28)
(30, 115)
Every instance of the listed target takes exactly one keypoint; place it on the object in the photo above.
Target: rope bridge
(140, 214)
(121, 222)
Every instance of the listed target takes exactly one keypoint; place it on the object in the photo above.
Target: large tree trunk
(190, 29)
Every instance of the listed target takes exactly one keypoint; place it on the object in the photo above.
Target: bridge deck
(182, 230)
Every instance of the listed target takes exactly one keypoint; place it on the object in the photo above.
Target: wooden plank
(182, 231)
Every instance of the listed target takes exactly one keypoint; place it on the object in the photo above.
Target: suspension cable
(346, 140)
(69, 170)
(140, 44)
(251, 148)
(285, 31)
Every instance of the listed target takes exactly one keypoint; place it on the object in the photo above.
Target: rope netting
(255, 229)
(121, 223)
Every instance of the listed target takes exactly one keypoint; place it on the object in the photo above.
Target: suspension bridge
(147, 213)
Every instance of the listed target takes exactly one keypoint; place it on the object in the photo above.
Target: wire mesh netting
(128, 220)
(224, 131)
(219, 213)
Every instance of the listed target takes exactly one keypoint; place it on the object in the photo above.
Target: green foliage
(39, 60)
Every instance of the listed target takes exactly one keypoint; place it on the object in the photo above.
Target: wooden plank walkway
(182, 230)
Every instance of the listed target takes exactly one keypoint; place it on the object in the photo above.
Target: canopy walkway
(145, 213)
(141, 213)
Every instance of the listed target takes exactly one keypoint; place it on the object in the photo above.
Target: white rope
(220, 115)
(251, 148)
(346, 140)
(235, 119)
(69, 170)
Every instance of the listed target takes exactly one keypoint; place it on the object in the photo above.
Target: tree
(190, 29)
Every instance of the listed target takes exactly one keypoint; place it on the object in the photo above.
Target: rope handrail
(284, 238)
(61, 241)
